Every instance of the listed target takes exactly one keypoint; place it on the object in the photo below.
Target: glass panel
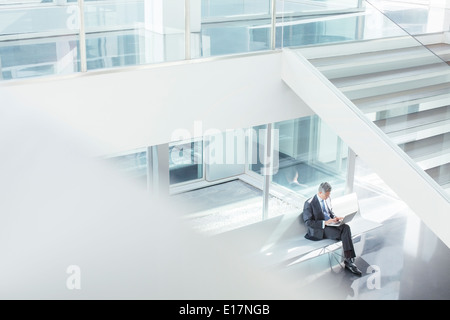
(302, 7)
(229, 27)
(417, 17)
(38, 39)
(294, 30)
(233, 204)
(235, 37)
(220, 9)
(125, 33)
(225, 154)
(310, 153)
(185, 161)
(256, 148)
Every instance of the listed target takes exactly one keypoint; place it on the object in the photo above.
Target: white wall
(125, 110)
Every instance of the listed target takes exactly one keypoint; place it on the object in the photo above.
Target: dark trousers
(344, 234)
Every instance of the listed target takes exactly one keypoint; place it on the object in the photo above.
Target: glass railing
(414, 16)
(398, 83)
(428, 24)
(42, 38)
(38, 39)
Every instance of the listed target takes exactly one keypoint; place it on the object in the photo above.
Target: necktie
(325, 212)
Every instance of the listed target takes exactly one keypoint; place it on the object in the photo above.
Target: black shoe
(350, 265)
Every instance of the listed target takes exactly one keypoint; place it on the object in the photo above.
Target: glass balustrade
(38, 39)
(41, 38)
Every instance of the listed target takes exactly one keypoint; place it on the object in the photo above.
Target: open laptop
(346, 219)
(345, 206)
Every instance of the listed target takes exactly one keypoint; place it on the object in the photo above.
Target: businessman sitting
(318, 215)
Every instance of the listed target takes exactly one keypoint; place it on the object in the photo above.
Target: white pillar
(165, 28)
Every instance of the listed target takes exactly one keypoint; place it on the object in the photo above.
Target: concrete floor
(227, 206)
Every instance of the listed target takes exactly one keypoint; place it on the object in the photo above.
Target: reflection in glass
(417, 17)
(135, 32)
(256, 148)
(185, 161)
(38, 39)
(242, 9)
(112, 50)
(309, 153)
(294, 30)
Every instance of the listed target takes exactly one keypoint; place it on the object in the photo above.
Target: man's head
(324, 190)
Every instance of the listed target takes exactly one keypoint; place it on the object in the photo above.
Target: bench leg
(334, 254)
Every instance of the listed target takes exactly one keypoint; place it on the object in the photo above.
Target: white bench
(281, 240)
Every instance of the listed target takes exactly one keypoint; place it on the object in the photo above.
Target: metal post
(361, 4)
(158, 182)
(150, 172)
(274, 24)
(351, 163)
(163, 169)
(267, 170)
(83, 58)
(187, 29)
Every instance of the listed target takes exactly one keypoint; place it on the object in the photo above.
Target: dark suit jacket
(313, 217)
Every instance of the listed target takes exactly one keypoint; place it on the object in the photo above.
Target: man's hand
(334, 220)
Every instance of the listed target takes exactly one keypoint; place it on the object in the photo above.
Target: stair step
(413, 120)
(431, 152)
(343, 49)
(365, 57)
(374, 62)
(441, 49)
(392, 85)
(446, 187)
(440, 174)
(390, 75)
(433, 160)
(403, 98)
(420, 133)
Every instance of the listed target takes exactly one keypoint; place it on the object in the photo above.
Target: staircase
(400, 85)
